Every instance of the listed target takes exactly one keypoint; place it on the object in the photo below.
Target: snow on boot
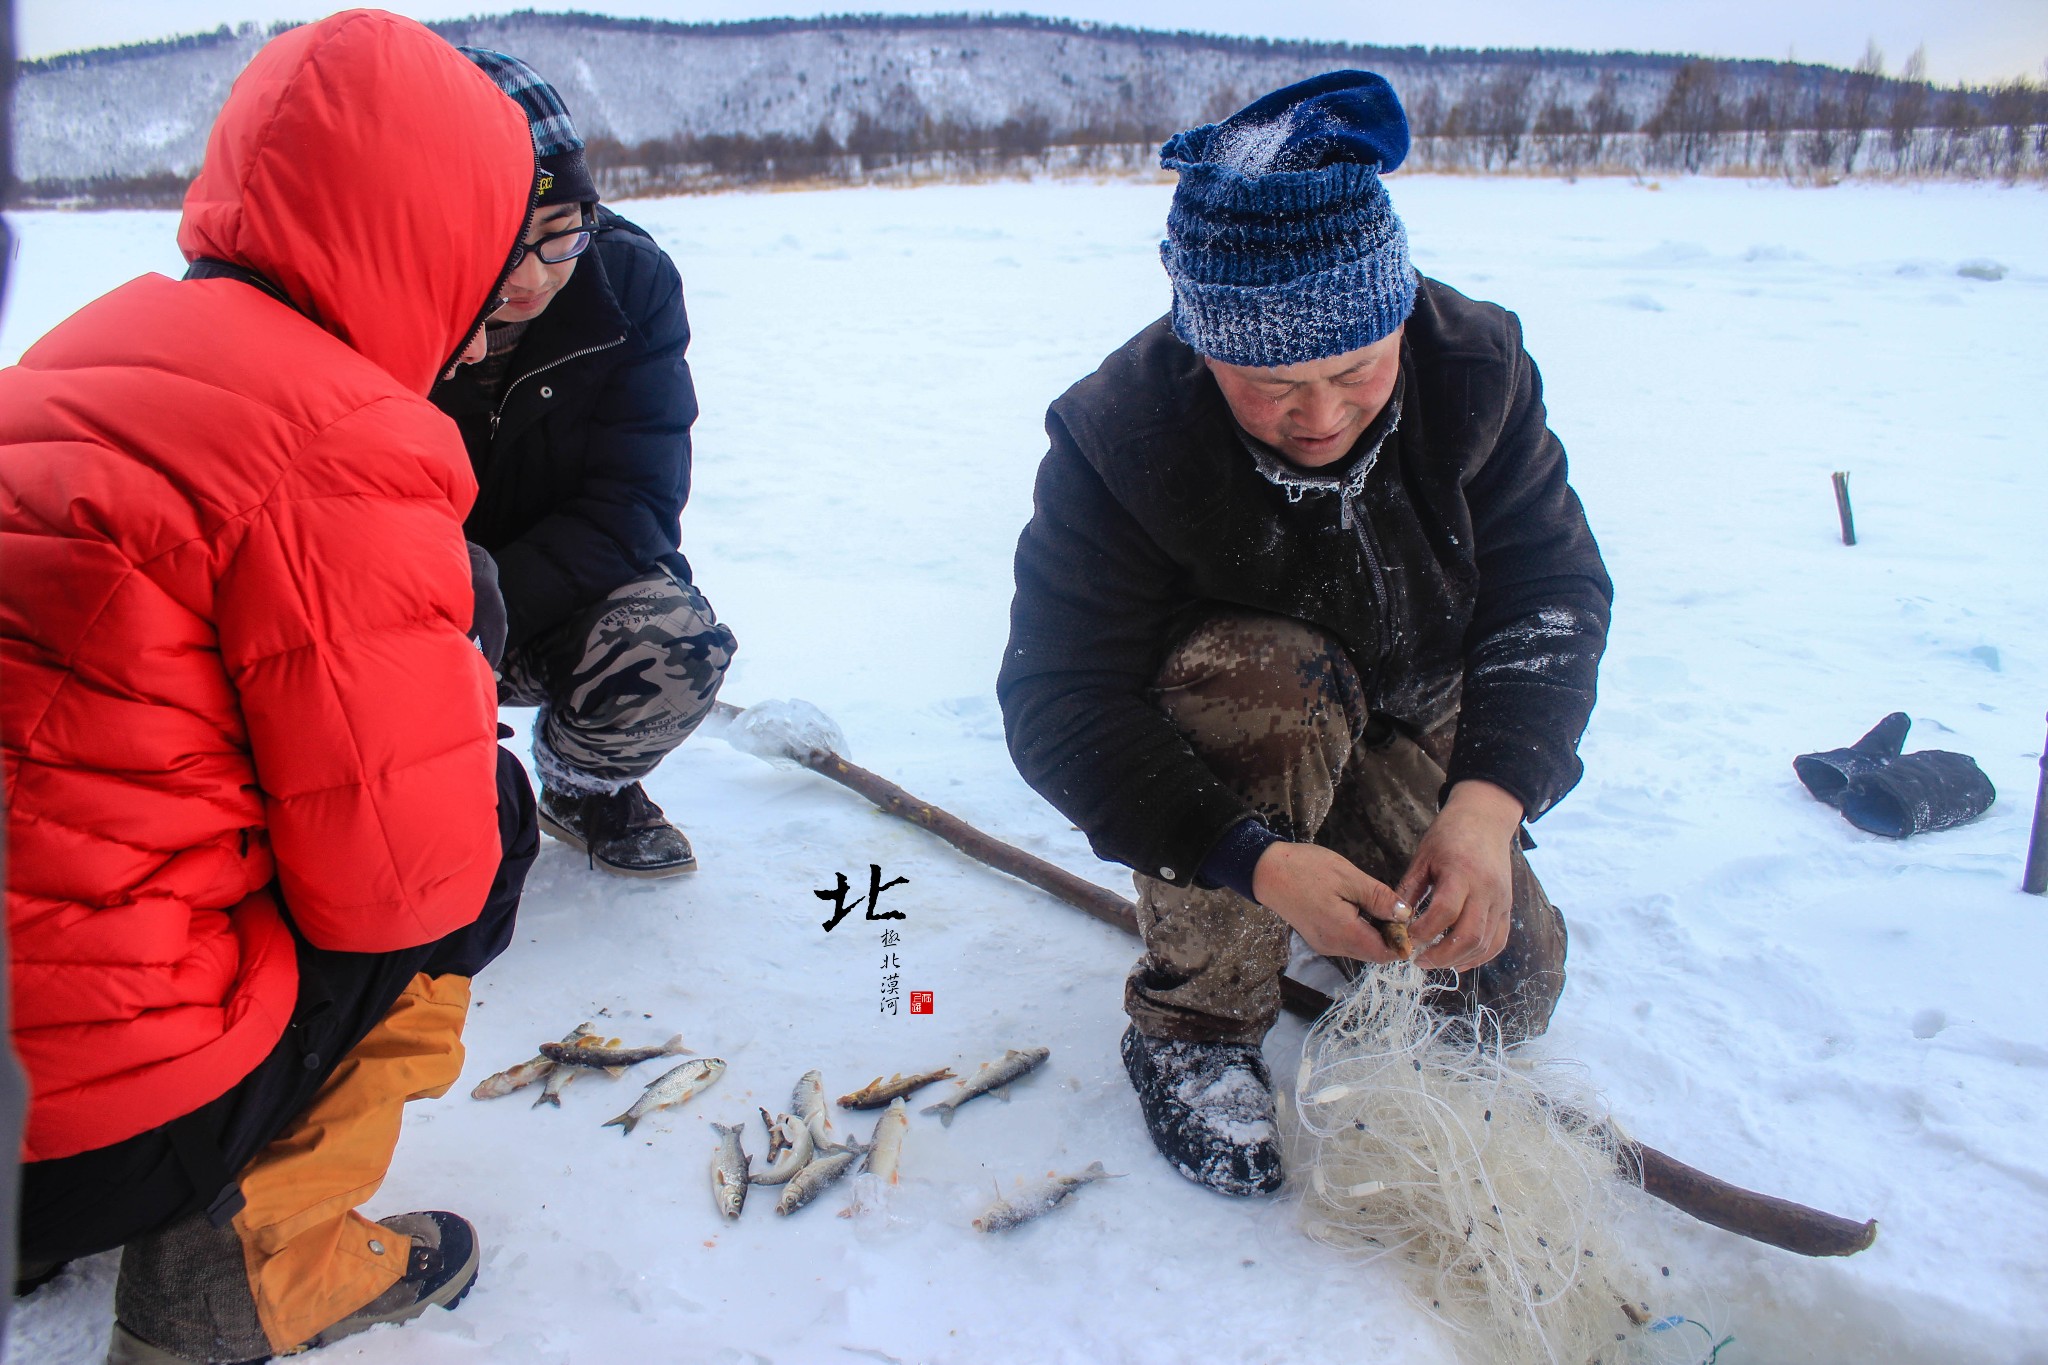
(1933, 789)
(1209, 1107)
(623, 832)
(1827, 775)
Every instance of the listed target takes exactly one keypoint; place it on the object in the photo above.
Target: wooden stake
(1759, 1217)
(1842, 507)
(2035, 882)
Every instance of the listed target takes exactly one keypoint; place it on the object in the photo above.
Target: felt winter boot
(1930, 790)
(622, 832)
(1209, 1108)
(1827, 775)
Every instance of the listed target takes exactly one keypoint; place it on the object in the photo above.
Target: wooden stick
(1842, 507)
(1759, 1217)
(2035, 881)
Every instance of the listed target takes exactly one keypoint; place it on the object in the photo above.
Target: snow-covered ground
(1758, 988)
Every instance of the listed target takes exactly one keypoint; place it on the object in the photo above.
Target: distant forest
(671, 108)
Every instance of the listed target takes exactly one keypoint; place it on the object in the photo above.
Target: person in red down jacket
(261, 833)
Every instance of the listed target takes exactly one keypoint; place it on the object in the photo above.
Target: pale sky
(1975, 40)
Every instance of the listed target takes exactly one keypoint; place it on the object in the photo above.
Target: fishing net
(1488, 1175)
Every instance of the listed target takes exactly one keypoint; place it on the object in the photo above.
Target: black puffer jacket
(1463, 563)
(583, 462)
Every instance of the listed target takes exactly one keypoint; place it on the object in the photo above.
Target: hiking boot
(1209, 1107)
(439, 1270)
(624, 832)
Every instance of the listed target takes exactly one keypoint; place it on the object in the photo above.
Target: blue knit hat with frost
(1282, 244)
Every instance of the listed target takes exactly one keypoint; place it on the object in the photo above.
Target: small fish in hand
(526, 1073)
(729, 1170)
(607, 1057)
(672, 1087)
(1042, 1198)
(789, 1146)
(808, 1104)
(878, 1092)
(813, 1179)
(990, 1077)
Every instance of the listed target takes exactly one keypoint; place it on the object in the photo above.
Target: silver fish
(886, 1147)
(879, 1092)
(812, 1180)
(789, 1139)
(526, 1073)
(671, 1087)
(991, 1076)
(1042, 1198)
(808, 1104)
(608, 1057)
(729, 1170)
(559, 1078)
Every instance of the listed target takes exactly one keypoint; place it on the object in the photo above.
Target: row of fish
(803, 1156)
(582, 1051)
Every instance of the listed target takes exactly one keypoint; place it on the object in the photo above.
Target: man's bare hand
(1321, 893)
(1463, 862)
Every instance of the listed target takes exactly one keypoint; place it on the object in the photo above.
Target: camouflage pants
(619, 684)
(1274, 707)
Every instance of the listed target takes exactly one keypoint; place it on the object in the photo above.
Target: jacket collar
(1346, 476)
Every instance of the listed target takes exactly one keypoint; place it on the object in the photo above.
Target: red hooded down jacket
(233, 664)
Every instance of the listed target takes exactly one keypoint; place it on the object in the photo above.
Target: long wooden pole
(1759, 1217)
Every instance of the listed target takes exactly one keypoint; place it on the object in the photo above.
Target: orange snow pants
(311, 1258)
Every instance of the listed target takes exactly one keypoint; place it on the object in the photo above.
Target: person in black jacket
(578, 426)
(1307, 618)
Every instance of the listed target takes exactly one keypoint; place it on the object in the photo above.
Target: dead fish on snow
(559, 1078)
(991, 1076)
(789, 1148)
(526, 1073)
(886, 1147)
(808, 1104)
(729, 1170)
(1042, 1198)
(879, 1092)
(813, 1179)
(608, 1057)
(671, 1087)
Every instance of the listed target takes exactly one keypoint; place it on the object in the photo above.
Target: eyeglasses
(557, 247)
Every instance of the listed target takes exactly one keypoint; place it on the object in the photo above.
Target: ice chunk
(1981, 270)
(786, 730)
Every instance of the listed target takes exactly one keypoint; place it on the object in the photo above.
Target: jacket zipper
(1360, 524)
(498, 413)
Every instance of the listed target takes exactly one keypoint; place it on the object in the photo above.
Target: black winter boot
(1933, 789)
(1209, 1107)
(1827, 775)
(624, 832)
(183, 1297)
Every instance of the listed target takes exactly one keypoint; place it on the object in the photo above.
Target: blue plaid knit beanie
(1282, 244)
(564, 178)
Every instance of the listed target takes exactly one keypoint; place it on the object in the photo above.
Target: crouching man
(578, 428)
(1307, 618)
(260, 831)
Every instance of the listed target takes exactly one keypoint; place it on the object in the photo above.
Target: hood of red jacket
(377, 177)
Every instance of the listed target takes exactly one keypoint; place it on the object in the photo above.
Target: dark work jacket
(1463, 564)
(583, 463)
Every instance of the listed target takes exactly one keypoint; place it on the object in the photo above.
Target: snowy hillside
(876, 83)
(1759, 989)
